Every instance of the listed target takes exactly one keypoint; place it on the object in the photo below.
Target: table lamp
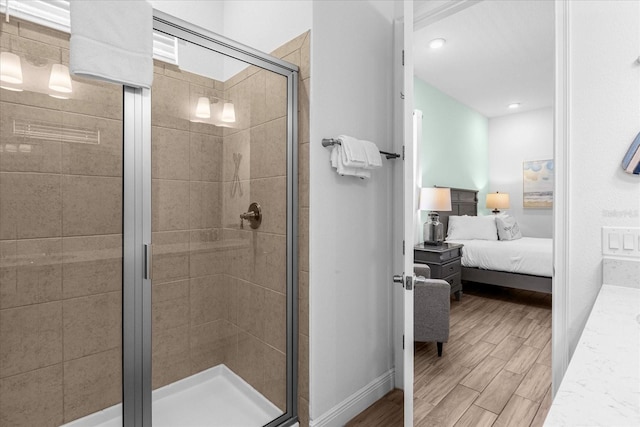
(497, 201)
(434, 199)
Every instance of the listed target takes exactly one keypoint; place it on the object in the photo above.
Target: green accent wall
(454, 151)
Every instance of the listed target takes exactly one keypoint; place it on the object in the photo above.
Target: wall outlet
(621, 241)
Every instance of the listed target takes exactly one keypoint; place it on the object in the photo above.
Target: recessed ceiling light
(437, 43)
(514, 105)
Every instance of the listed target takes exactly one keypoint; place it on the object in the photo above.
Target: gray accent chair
(431, 305)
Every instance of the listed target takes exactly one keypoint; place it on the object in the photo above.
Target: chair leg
(439, 349)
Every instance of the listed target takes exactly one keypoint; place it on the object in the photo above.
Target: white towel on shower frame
(112, 41)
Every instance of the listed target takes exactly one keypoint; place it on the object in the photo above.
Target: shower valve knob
(254, 216)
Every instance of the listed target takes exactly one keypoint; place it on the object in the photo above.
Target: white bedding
(529, 255)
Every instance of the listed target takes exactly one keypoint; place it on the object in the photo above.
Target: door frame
(137, 220)
(136, 285)
(560, 309)
(404, 208)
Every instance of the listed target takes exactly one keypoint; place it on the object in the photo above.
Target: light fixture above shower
(60, 81)
(203, 109)
(221, 110)
(10, 71)
(228, 113)
(30, 73)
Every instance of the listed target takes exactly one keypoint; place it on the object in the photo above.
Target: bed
(521, 264)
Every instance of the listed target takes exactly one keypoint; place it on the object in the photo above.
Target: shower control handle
(253, 216)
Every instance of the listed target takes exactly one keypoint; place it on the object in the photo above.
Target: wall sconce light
(10, 71)
(434, 199)
(60, 81)
(221, 109)
(228, 113)
(203, 108)
(497, 201)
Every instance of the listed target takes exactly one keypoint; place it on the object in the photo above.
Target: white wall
(350, 220)
(514, 139)
(261, 24)
(266, 24)
(604, 119)
(205, 14)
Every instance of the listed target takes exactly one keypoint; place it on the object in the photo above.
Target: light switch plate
(627, 241)
(614, 241)
(621, 241)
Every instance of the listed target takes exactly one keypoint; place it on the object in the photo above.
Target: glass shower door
(220, 221)
(61, 167)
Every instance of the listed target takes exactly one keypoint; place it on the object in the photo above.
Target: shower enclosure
(148, 261)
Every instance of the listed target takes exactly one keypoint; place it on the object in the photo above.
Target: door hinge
(403, 58)
(403, 247)
(401, 95)
(403, 152)
(403, 342)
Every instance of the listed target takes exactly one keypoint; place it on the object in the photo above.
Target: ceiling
(497, 52)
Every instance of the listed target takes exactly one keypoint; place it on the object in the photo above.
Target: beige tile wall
(259, 271)
(304, 53)
(298, 52)
(60, 244)
(189, 287)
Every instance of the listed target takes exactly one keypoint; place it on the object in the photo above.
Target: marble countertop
(602, 384)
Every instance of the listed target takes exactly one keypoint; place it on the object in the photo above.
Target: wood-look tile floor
(495, 370)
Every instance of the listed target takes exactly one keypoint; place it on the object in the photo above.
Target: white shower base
(215, 397)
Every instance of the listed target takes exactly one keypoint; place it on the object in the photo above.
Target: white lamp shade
(498, 200)
(435, 199)
(10, 68)
(228, 113)
(203, 109)
(60, 80)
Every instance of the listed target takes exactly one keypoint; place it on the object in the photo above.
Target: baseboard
(344, 411)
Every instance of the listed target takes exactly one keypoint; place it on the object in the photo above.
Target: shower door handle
(148, 261)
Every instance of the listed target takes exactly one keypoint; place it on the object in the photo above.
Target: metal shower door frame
(136, 332)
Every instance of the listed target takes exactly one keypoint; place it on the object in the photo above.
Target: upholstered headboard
(463, 202)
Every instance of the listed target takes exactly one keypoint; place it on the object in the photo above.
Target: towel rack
(327, 142)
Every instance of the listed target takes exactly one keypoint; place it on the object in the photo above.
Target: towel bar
(327, 142)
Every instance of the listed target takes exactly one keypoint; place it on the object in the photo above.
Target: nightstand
(444, 262)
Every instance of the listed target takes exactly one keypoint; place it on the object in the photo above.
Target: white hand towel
(374, 160)
(353, 150)
(334, 156)
(112, 41)
(345, 170)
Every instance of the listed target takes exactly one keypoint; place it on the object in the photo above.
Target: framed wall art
(537, 180)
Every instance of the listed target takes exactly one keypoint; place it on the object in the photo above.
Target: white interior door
(404, 209)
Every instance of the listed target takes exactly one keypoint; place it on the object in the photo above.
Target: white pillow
(508, 228)
(472, 228)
